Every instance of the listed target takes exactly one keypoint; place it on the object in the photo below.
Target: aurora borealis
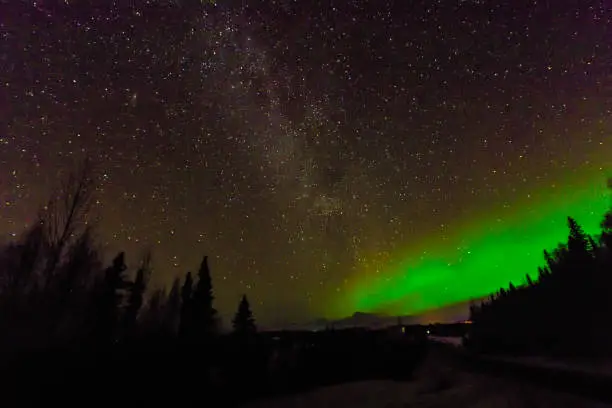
(329, 157)
(484, 255)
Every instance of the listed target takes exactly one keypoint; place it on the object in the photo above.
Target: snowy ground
(451, 341)
(436, 385)
(592, 367)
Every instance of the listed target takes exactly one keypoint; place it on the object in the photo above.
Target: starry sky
(329, 156)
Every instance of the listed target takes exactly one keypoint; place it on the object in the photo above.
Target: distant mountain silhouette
(371, 321)
(358, 319)
(448, 314)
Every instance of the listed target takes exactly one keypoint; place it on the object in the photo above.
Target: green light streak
(489, 254)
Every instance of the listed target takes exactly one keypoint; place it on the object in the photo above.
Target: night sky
(329, 157)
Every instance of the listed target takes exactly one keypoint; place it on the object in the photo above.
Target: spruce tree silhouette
(244, 358)
(579, 260)
(82, 261)
(186, 319)
(172, 309)
(204, 314)
(244, 322)
(605, 268)
(152, 315)
(594, 245)
(578, 242)
(533, 317)
(110, 300)
(136, 294)
(606, 225)
(607, 229)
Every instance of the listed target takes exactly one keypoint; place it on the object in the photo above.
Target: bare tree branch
(66, 213)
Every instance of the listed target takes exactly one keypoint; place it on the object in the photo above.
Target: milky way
(306, 147)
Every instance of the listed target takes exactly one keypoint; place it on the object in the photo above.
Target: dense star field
(329, 156)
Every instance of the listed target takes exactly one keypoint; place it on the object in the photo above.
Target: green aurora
(485, 256)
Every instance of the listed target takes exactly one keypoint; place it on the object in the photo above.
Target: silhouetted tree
(607, 230)
(43, 276)
(533, 317)
(136, 294)
(153, 313)
(75, 280)
(550, 261)
(243, 322)
(578, 244)
(606, 225)
(21, 313)
(543, 272)
(81, 263)
(110, 299)
(65, 213)
(173, 308)
(204, 314)
(593, 245)
(186, 321)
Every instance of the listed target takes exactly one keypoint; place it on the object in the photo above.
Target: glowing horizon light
(486, 255)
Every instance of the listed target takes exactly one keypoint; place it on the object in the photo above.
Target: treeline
(565, 311)
(71, 325)
(56, 292)
(74, 328)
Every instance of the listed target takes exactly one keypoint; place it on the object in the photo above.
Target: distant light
(427, 331)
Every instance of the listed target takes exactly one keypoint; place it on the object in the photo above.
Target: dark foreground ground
(441, 381)
(334, 371)
(224, 374)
